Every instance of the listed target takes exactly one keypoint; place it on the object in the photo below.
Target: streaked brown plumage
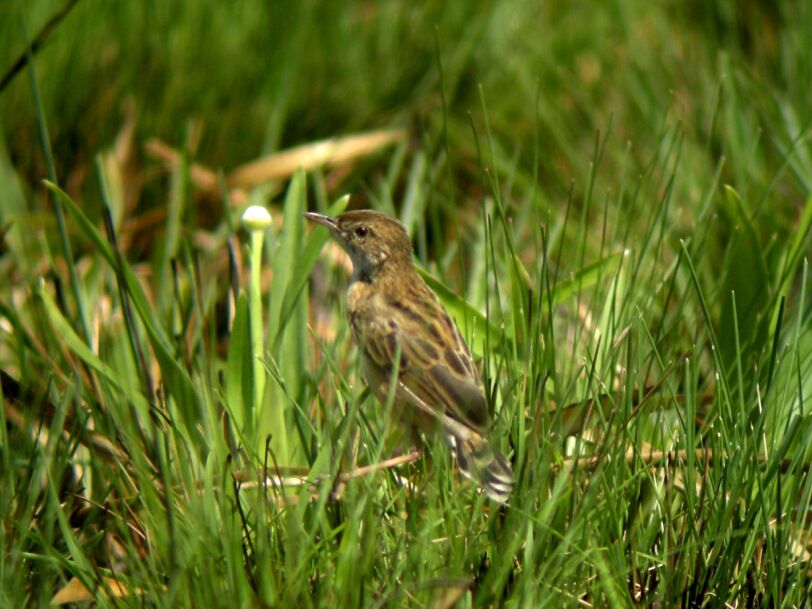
(394, 314)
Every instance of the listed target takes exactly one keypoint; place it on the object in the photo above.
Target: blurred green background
(261, 76)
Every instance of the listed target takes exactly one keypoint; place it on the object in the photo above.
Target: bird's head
(372, 239)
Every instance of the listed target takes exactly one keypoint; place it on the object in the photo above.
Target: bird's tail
(483, 464)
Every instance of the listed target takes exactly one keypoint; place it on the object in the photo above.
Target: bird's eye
(361, 231)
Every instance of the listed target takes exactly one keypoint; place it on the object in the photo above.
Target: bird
(406, 338)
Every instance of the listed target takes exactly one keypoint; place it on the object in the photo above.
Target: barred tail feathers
(483, 464)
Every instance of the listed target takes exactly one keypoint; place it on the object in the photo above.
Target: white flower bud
(256, 217)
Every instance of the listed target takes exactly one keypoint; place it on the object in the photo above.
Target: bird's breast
(361, 307)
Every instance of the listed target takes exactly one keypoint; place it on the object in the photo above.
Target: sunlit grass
(612, 199)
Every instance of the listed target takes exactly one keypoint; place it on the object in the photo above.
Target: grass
(612, 198)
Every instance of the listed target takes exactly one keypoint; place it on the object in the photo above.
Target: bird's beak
(322, 219)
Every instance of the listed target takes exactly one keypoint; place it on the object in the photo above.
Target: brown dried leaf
(76, 592)
(333, 151)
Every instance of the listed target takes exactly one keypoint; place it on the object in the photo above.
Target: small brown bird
(395, 317)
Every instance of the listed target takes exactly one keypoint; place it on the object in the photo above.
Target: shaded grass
(619, 194)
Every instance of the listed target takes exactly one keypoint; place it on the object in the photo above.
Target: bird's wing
(435, 364)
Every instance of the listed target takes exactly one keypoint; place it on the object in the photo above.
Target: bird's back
(404, 316)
